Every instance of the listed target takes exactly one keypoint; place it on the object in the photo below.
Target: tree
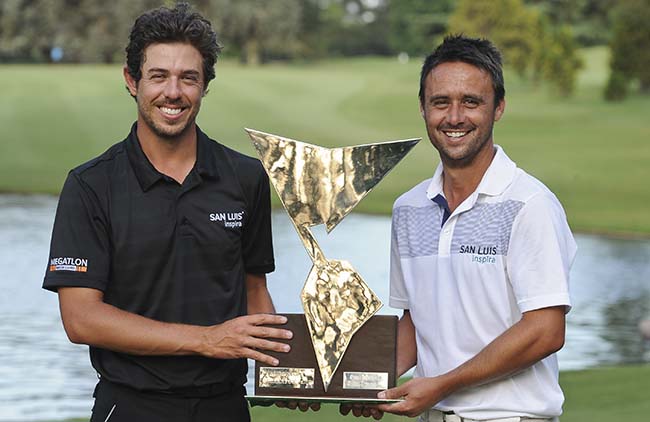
(630, 53)
(97, 31)
(28, 29)
(344, 27)
(258, 28)
(530, 45)
(102, 28)
(561, 63)
(590, 20)
(507, 23)
(415, 26)
(312, 43)
(616, 88)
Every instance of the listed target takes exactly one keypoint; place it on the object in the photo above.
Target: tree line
(539, 38)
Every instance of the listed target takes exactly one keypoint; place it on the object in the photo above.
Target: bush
(616, 89)
(630, 52)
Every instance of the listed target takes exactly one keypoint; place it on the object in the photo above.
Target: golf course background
(594, 155)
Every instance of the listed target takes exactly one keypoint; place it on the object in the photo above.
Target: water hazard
(45, 377)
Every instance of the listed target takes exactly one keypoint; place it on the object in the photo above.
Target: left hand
(419, 394)
(303, 406)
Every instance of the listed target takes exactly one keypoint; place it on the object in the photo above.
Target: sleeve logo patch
(79, 265)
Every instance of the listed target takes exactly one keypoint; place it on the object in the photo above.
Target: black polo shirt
(169, 252)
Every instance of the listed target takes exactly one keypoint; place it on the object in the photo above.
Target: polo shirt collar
(147, 174)
(496, 179)
(206, 161)
(435, 187)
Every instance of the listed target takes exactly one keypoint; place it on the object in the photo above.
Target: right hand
(418, 394)
(244, 337)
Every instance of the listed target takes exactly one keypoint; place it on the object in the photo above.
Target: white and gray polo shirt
(466, 277)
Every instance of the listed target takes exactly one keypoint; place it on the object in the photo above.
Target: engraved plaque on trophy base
(368, 367)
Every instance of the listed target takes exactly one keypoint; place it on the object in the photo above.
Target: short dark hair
(164, 25)
(475, 51)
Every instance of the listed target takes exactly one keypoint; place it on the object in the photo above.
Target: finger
(395, 408)
(365, 412)
(268, 332)
(281, 404)
(344, 409)
(264, 404)
(376, 413)
(259, 356)
(315, 407)
(385, 407)
(259, 344)
(292, 405)
(266, 319)
(357, 410)
(303, 406)
(393, 393)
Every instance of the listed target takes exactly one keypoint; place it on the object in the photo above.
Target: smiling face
(459, 111)
(170, 91)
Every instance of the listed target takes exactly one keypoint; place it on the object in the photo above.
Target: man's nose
(455, 114)
(172, 88)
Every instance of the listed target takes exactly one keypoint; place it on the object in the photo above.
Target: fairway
(593, 155)
(594, 395)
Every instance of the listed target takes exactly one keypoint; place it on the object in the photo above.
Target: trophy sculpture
(321, 186)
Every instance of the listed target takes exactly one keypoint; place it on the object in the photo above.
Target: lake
(44, 376)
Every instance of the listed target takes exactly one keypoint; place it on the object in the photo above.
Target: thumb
(393, 393)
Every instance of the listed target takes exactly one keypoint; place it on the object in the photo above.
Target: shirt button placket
(444, 245)
(181, 218)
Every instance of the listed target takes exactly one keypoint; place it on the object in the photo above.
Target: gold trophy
(340, 352)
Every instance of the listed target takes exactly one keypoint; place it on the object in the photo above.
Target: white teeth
(172, 111)
(455, 134)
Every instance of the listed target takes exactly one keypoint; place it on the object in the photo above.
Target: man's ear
(131, 84)
(421, 109)
(498, 112)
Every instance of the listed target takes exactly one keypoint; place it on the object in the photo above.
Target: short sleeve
(79, 250)
(257, 242)
(540, 255)
(398, 295)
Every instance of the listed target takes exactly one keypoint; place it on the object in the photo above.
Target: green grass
(593, 155)
(607, 394)
(594, 395)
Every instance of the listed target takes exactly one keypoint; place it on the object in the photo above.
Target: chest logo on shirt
(480, 253)
(229, 219)
(79, 265)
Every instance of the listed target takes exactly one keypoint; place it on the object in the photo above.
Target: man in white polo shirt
(480, 260)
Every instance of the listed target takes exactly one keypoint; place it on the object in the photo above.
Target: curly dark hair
(478, 52)
(164, 25)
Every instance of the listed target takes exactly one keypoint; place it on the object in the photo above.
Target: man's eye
(440, 104)
(471, 103)
(157, 76)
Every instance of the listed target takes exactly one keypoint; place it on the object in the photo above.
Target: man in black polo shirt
(161, 244)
